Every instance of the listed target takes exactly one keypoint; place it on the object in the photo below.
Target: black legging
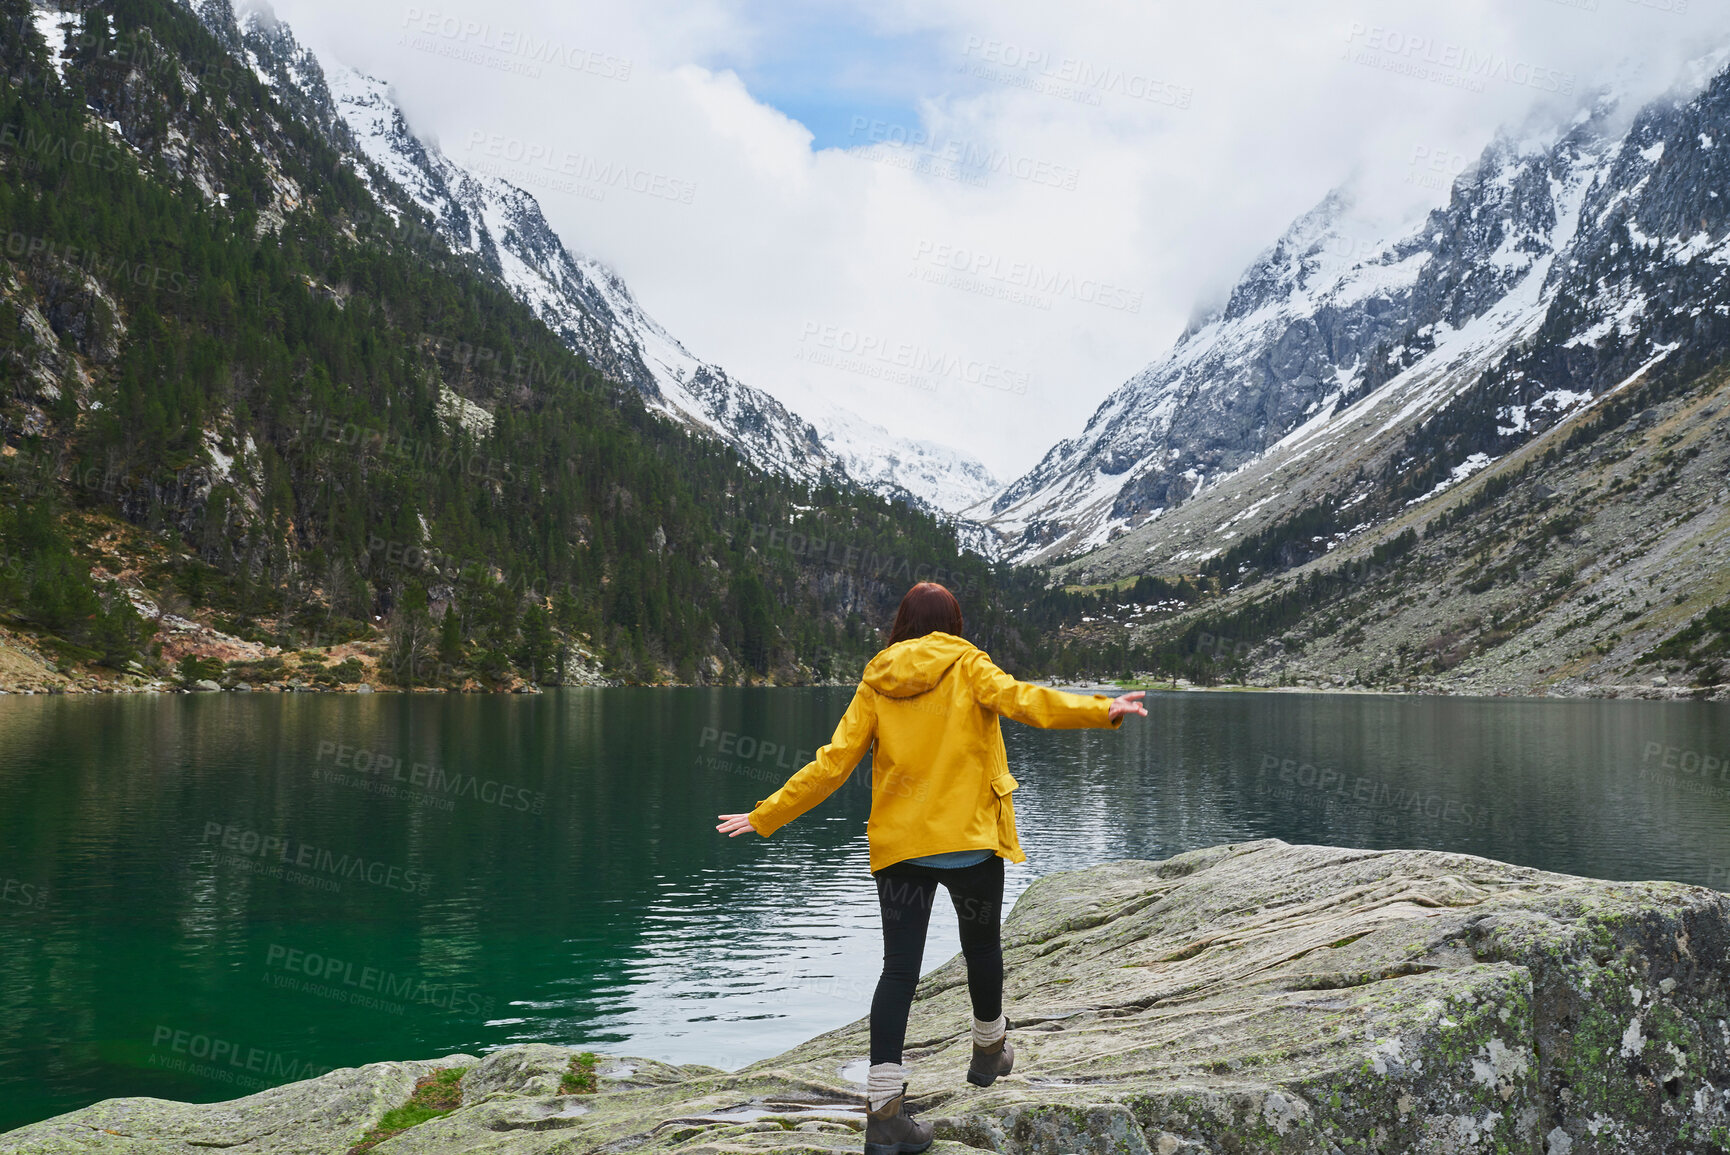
(905, 894)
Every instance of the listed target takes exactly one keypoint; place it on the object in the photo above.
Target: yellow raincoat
(940, 779)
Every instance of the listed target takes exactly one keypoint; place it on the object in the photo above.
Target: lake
(203, 895)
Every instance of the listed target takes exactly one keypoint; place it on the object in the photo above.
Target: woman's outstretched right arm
(820, 778)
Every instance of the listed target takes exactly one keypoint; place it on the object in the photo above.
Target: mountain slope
(1311, 328)
(583, 300)
(1501, 468)
(243, 411)
(1551, 279)
(1595, 559)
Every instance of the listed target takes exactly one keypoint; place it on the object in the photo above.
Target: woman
(940, 812)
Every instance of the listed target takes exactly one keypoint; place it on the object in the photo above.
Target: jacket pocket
(1003, 784)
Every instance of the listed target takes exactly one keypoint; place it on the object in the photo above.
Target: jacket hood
(914, 666)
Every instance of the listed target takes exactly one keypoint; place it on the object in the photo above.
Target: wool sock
(985, 1034)
(884, 1083)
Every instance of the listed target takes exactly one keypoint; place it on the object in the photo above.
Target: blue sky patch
(833, 69)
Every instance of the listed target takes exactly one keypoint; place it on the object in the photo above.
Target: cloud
(971, 221)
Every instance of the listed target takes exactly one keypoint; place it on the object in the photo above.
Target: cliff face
(1251, 998)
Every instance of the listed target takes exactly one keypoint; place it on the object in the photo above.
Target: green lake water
(204, 895)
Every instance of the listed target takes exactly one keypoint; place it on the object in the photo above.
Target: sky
(970, 221)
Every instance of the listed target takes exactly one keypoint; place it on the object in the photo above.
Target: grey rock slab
(319, 1116)
(1244, 999)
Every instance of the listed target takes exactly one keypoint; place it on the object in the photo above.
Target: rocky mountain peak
(1547, 243)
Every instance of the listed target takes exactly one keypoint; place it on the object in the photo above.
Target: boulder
(1244, 999)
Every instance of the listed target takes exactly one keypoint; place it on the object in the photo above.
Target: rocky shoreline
(26, 670)
(1616, 691)
(47, 680)
(1243, 999)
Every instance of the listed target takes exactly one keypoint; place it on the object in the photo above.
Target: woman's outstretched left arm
(1046, 708)
(819, 778)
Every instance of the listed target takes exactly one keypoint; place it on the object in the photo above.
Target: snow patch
(1459, 473)
(50, 25)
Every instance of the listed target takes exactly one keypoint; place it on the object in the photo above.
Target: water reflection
(181, 873)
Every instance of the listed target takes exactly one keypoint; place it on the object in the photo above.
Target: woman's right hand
(1129, 703)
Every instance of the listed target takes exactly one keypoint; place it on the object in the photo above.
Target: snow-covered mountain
(583, 300)
(882, 462)
(1348, 365)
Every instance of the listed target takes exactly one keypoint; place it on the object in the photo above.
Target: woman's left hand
(734, 825)
(1127, 704)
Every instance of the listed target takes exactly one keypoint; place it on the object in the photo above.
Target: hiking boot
(990, 1062)
(891, 1132)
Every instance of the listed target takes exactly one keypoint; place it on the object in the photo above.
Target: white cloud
(1214, 126)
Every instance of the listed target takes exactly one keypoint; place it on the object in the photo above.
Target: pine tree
(451, 637)
(537, 649)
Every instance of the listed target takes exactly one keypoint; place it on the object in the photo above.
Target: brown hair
(925, 609)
